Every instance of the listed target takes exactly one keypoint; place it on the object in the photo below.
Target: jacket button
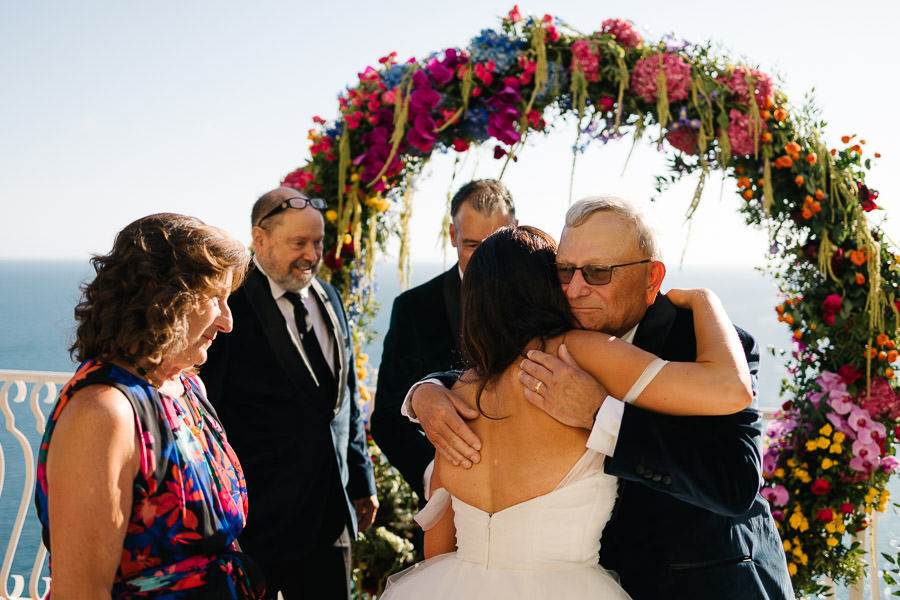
(667, 480)
(648, 474)
(657, 477)
(639, 469)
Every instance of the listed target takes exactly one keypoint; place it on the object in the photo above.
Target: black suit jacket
(303, 454)
(423, 337)
(689, 522)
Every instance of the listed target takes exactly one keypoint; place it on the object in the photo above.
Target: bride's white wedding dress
(545, 547)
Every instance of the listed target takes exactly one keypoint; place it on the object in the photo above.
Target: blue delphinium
(475, 124)
(394, 75)
(495, 46)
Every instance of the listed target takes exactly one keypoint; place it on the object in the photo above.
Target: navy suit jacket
(304, 455)
(689, 521)
(423, 337)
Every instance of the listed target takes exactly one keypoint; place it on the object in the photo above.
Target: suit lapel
(259, 295)
(340, 340)
(452, 285)
(654, 328)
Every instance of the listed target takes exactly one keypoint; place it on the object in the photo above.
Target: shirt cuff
(429, 471)
(406, 408)
(605, 432)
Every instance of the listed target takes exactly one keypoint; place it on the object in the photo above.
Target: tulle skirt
(446, 577)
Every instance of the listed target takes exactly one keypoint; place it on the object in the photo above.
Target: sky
(113, 110)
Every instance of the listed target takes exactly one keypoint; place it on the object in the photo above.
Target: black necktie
(309, 341)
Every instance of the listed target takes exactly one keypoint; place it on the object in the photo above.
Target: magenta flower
(623, 31)
(889, 464)
(740, 133)
(777, 495)
(832, 303)
(676, 70)
(740, 90)
(883, 402)
(865, 456)
(837, 422)
(423, 133)
(586, 58)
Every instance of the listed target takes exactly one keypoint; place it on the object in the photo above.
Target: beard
(293, 281)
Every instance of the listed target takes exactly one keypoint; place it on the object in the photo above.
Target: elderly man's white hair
(582, 210)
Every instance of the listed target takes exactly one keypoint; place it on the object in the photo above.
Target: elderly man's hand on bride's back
(441, 414)
(561, 388)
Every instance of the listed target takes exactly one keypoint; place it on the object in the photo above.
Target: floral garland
(830, 449)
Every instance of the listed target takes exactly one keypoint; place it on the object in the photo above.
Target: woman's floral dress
(190, 499)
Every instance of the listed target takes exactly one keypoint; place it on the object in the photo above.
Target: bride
(526, 521)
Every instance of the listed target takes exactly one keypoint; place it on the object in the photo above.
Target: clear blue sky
(113, 110)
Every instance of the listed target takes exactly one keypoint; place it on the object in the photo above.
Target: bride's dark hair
(510, 296)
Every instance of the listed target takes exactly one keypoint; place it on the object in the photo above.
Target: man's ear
(452, 231)
(654, 282)
(258, 235)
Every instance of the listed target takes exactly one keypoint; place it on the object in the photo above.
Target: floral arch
(830, 450)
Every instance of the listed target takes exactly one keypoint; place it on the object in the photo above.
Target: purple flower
(889, 464)
(440, 74)
(422, 134)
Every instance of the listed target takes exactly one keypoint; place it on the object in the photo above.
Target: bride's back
(525, 452)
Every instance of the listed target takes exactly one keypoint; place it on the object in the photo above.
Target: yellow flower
(826, 429)
(831, 541)
(796, 520)
(786, 544)
(804, 559)
(354, 177)
(823, 442)
(792, 569)
(830, 527)
(835, 448)
(383, 205)
(839, 437)
(841, 527)
(779, 473)
(802, 475)
(331, 215)
(811, 445)
(827, 463)
(348, 239)
(884, 496)
(792, 462)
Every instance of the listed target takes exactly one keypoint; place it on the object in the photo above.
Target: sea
(37, 298)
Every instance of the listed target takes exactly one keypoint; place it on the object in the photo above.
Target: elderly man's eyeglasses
(296, 202)
(593, 274)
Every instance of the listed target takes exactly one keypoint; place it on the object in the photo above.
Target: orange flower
(878, 155)
(882, 339)
(889, 373)
(807, 213)
(766, 136)
(765, 115)
(858, 257)
(799, 180)
(846, 138)
(870, 353)
(812, 326)
(856, 148)
(833, 151)
(808, 200)
(882, 355)
(789, 319)
(780, 114)
(740, 170)
(792, 147)
(743, 182)
(798, 334)
(780, 309)
(795, 156)
(891, 344)
(748, 194)
(815, 206)
(783, 161)
(860, 278)
(811, 158)
(892, 355)
(820, 195)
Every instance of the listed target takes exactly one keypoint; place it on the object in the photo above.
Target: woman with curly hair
(139, 493)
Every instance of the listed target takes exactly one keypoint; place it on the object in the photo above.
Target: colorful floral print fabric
(190, 499)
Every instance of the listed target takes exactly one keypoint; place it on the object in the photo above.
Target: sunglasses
(296, 202)
(593, 274)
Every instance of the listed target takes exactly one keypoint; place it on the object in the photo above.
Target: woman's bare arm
(717, 383)
(91, 465)
(441, 538)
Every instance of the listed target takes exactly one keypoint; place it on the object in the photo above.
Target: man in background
(425, 327)
(284, 384)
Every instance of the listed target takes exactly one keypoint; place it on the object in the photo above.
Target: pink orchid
(841, 404)
(859, 419)
(777, 495)
(889, 464)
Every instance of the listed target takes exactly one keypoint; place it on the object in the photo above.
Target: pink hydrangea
(677, 71)
(740, 91)
(623, 31)
(684, 139)
(740, 133)
(586, 57)
(883, 402)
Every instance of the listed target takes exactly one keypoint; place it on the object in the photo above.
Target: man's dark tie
(310, 342)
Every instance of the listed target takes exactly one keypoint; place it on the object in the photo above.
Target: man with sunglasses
(284, 384)
(688, 522)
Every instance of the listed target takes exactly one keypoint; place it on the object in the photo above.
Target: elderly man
(689, 522)
(284, 385)
(425, 326)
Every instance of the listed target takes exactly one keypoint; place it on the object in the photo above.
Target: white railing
(40, 389)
